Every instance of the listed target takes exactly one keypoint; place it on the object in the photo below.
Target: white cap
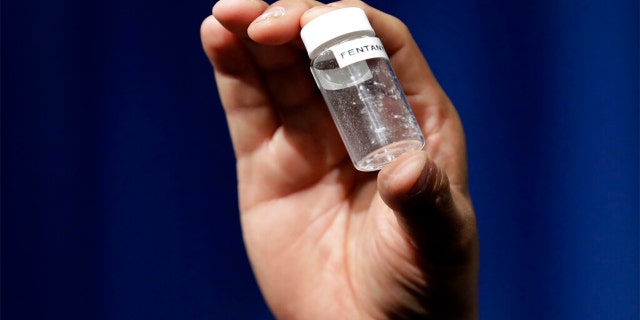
(334, 24)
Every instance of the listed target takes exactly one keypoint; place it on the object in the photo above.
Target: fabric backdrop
(118, 183)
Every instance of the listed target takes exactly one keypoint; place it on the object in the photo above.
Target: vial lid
(332, 25)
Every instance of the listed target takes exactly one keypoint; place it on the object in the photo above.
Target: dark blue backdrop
(118, 185)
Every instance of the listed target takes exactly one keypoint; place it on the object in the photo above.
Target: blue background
(118, 182)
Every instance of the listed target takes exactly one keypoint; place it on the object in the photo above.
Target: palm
(312, 231)
(316, 258)
(320, 238)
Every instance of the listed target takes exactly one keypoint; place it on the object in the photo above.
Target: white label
(358, 50)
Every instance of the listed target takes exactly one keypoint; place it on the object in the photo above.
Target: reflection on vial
(369, 109)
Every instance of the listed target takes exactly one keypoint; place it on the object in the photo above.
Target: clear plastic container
(356, 79)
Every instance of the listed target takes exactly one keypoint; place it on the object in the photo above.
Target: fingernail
(415, 168)
(270, 13)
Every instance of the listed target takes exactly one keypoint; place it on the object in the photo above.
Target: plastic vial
(353, 72)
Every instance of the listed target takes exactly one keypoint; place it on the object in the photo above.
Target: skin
(324, 240)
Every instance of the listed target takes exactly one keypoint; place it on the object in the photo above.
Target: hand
(326, 241)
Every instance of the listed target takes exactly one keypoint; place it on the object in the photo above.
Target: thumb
(418, 191)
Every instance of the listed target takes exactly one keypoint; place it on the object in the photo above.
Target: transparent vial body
(369, 109)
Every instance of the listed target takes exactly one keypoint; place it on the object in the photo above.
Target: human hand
(326, 241)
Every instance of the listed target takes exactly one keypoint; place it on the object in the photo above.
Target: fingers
(440, 223)
(280, 23)
(263, 79)
(250, 117)
(256, 80)
(237, 15)
(262, 27)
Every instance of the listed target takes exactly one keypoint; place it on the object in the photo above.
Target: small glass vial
(353, 72)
